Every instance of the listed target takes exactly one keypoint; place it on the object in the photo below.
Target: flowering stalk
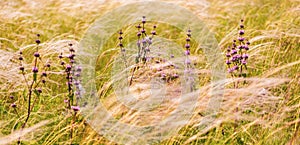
(237, 56)
(187, 63)
(34, 84)
(122, 49)
(72, 77)
(143, 44)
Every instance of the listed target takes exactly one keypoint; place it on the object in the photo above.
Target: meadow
(40, 100)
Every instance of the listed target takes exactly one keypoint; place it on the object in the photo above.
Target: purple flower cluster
(32, 86)
(71, 75)
(144, 41)
(236, 55)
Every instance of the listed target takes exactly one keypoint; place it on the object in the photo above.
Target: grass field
(263, 111)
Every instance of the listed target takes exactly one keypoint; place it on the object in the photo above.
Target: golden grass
(264, 111)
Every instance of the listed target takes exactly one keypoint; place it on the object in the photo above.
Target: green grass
(273, 27)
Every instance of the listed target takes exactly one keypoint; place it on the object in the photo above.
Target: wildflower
(39, 90)
(35, 69)
(241, 39)
(144, 20)
(75, 108)
(242, 32)
(36, 54)
(37, 41)
(44, 74)
(187, 46)
(13, 105)
(21, 68)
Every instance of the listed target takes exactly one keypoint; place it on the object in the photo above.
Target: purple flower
(44, 74)
(21, 68)
(187, 61)
(39, 90)
(242, 32)
(143, 31)
(245, 56)
(246, 47)
(144, 20)
(235, 67)
(244, 62)
(153, 32)
(75, 108)
(77, 74)
(13, 105)
(228, 55)
(77, 83)
(172, 56)
(187, 46)
(11, 97)
(176, 76)
(233, 52)
(36, 54)
(37, 41)
(187, 52)
(230, 70)
(79, 68)
(241, 39)
(35, 69)
(228, 62)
